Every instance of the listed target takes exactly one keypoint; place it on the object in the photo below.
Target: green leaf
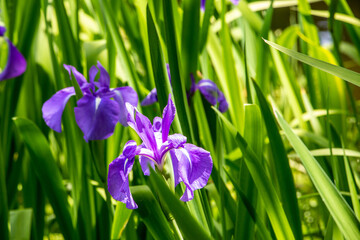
(121, 217)
(189, 226)
(209, 10)
(162, 82)
(338, 16)
(177, 80)
(282, 167)
(151, 213)
(124, 58)
(264, 185)
(48, 173)
(190, 37)
(20, 224)
(335, 203)
(343, 73)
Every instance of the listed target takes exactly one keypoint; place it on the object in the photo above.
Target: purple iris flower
(206, 87)
(100, 108)
(192, 165)
(203, 2)
(16, 63)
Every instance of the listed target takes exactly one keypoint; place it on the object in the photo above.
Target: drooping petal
(104, 79)
(118, 182)
(96, 117)
(16, 63)
(130, 149)
(209, 90)
(53, 108)
(123, 95)
(223, 104)
(144, 163)
(150, 98)
(2, 31)
(212, 94)
(78, 76)
(92, 74)
(193, 166)
(168, 117)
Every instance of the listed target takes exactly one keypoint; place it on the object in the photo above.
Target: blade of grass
(343, 73)
(283, 171)
(254, 135)
(20, 222)
(124, 58)
(263, 232)
(48, 174)
(335, 203)
(177, 80)
(190, 37)
(188, 225)
(121, 217)
(264, 185)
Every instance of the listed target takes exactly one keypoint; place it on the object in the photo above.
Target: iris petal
(53, 108)
(118, 182)
(212, 94)
(144, 163)
(104, 79)
(192, 165)
(96, 117)
(16, 63)
(157, 124)
(168, 117)
(2, 31)
(202, 5)
(146, 133)
(150, 98)
(78, 76)
(123, 95)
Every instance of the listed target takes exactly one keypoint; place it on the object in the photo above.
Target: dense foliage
(103, 134)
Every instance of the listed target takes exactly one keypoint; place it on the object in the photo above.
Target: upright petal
(92, 74)
(78, 76)
(193, 166)
(150, 98)
(96, 117)
(16, 63)
(53, 108)
(2, 31)
(146, 133)
(157, 124)
(118, 182)
(104, 79)
(168, 117)
(122, 96)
